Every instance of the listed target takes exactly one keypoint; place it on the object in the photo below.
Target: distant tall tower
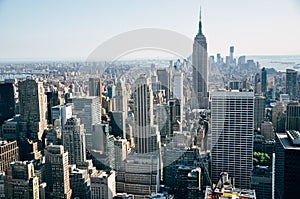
(232, 135)
(33, 107)
(264, 81)
(291, 83)
(7, 101)
(74, 140)
(120, 99)
(143, 115)
(57, 172)
(199, 63)
(95, 88)
(231, 53)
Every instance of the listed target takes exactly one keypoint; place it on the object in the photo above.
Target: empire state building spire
(200, 24)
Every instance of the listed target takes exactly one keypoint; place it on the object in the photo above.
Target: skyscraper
(287, 164)
(199, 63)
(231, 50)
(232, 135)
(291, 83)
(89, 112)
(95, 88)
(120, 98)
(57, 173)
(178, 86)
(7, 101)
(74, 140)
(144, 138)
(264, 82)
(259, 111)
(33, 107)
(164, 79)
(293, 116)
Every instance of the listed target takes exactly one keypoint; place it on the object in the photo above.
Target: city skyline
(46, 30)
(126, 122)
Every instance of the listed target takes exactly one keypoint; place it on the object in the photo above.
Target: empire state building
(199, 63)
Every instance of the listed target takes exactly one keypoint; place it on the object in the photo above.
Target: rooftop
(286, 142)
(230, 193)
(294, 136)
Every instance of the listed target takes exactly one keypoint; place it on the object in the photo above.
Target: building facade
(95, 88)
(57, 173)
(232, 135)
(21, 181)
(287, 164)
(74, 140)
(145, 138)
(9, 152)
(33, 107)
(291, 83)
(293, 116)
(88, 109)
(199, 63)
(103, 185)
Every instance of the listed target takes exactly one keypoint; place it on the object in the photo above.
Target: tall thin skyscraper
(120, 99)
(264, 82)
(57, 172)
(199, 63)
(291, 83)
(144, 138)
(259, 111)
(232, 135)
(231, 49)
(33, 107)
(164, 79)
(74, 140)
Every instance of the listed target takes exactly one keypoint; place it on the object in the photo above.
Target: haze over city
(49, 30)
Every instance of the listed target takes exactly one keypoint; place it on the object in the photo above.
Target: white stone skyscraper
(120, 98)
(232, 129)
(74, 140)
(145, 134)
(199, 63)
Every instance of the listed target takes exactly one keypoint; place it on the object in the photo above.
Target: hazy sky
(71, 29)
